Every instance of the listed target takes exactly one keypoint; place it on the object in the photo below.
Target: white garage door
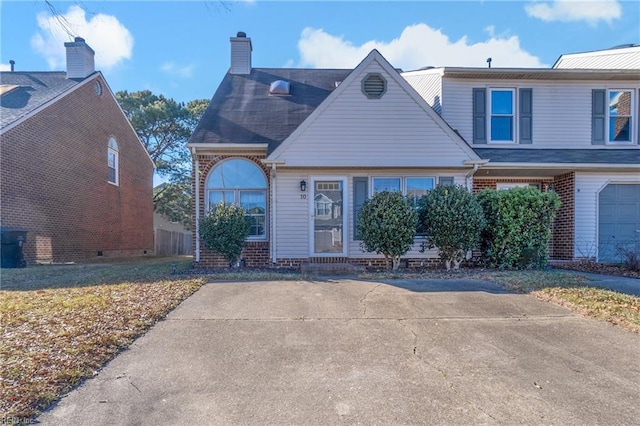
(618, 221)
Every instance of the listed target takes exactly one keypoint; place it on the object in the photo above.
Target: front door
(328, 218)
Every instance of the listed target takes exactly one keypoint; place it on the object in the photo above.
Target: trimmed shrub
(452, 219)
(518, 226)
(224, 230)
(387, 225)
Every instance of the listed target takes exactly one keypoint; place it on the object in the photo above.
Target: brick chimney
(80, 59)
(240, 54)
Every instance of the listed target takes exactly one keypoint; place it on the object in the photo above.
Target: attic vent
(279, 88)
(374, 86)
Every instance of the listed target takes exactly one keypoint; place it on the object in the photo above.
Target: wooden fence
(172, 243)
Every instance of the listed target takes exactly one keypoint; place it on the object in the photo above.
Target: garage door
(618, 221)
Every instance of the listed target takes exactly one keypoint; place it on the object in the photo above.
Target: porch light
(303, 185)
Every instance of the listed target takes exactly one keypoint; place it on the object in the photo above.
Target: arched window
(242, 182)
(113, 161)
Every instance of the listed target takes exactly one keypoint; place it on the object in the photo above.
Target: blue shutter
(480, 115)
(445, 180)
(526, 115)
(598, 116)
(360, 193)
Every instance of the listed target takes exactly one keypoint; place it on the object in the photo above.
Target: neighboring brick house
(302, 149)
(74, 174)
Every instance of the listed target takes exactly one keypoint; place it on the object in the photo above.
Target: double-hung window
(502, 115)
(239, 181)
(612, 116)
(619, 113)
(112, 161)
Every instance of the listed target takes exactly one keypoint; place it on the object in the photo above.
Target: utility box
(12, 241)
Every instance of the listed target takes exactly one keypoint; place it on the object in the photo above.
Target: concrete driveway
(357, 352)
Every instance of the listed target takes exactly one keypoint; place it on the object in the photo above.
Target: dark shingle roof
(34, 89)
(556, 156)
(241, 111)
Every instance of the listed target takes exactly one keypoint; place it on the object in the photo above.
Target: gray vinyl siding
(392, 131)
(588, 186)
(562, 112)
(429, 86)
(293, 214)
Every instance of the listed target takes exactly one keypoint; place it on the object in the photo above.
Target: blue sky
(181, 48)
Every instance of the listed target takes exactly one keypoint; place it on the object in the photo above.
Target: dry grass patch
(54, 336)
(569, 290)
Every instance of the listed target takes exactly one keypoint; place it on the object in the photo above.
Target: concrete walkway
(625, 285)
(359, 352)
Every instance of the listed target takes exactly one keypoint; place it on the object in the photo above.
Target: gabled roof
(620, 57)
(375, 61)
(33, 90)
(242, 111)
(560, 156)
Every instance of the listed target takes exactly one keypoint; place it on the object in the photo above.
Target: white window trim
(634, 120)
(514, 104)
(116, 155)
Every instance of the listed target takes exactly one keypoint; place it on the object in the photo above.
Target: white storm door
(328, 211)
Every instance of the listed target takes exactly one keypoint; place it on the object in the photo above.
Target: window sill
(113, 183)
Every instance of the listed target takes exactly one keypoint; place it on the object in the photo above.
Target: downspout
(476, 165)
(197, 227)
(469, 175)
(274, 257)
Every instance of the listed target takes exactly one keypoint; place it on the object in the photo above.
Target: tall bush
(518, 226)
(224, 230)
(452, 219)
(387, 225)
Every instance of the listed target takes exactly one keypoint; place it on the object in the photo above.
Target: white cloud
(171, 68)
(111, 40)
(5, 67)
(418, 46)
(591, 11)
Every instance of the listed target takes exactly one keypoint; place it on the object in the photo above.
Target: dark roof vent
(78, 40)
(13, 65)
(279, 88)
(374, 86)
(241, 34)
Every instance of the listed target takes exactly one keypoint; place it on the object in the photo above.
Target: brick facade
(54, 181)
(255, 254)
(563, 236)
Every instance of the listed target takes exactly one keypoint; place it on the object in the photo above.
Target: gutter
(564, 165)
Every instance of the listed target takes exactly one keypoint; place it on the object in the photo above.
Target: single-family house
(75, 176)
(302, 149)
